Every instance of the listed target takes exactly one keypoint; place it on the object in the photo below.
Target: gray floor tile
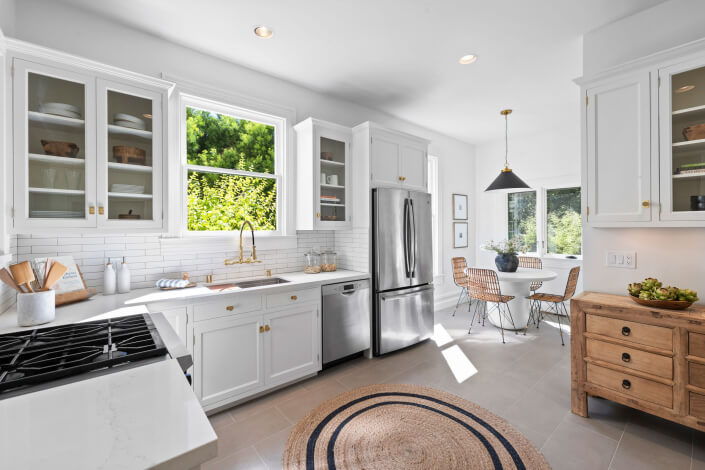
(574, 447)
(244, 459)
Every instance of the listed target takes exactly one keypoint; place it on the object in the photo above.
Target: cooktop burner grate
(41, 355)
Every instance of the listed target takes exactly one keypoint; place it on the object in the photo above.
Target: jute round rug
(384, 427)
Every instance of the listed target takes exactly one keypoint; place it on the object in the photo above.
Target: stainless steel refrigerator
(402, 268)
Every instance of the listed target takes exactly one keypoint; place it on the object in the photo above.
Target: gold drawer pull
(261, 329)
(401, 178)
(318, 214)
(101, 210)
(230, 308)
(266, 328)
(293, 297)
(91, 210)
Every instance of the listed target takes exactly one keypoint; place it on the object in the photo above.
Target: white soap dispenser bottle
(123, 278)
(109, 279)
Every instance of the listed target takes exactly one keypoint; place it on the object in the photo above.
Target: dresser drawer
(294, 297)
(640, 333)
(627, 384)
(228, 305)
(630, 358)
(696, 344)
(697, 405)
(696, 374)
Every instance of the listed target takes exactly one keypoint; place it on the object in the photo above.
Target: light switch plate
(621, 259)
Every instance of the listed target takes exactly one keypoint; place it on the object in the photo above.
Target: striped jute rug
(383, 427)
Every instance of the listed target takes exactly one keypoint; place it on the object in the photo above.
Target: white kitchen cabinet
(75, 165)
(292, 343)
(397, 160)
(228, 357)
(618, 146)
(324, 176)
(178, 319)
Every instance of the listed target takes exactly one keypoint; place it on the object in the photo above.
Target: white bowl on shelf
(127, 120)
(61, 109)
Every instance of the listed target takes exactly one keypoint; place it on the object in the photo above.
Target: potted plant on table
(506, 260)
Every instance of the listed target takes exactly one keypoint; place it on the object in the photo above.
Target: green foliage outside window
(564, 225)
(522, 218)
(221, 202)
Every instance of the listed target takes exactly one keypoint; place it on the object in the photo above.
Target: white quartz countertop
(106, 306)
(142, 417)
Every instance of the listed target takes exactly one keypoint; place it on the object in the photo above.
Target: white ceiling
(401, 56)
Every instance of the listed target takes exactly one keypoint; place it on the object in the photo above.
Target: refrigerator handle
(407, 264)
(412, 244)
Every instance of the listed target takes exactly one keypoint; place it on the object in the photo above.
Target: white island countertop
(142, 417)
(105, 306)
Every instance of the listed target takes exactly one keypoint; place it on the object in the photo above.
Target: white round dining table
(517, 284)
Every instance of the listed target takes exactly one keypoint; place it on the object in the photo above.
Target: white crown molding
(374, 125)
(27, 50)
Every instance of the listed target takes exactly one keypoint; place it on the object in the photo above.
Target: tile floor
(526, 381)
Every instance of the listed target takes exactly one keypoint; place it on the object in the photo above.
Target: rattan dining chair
(557, 300)
(460, 278)
(484, 286)
(532, 262)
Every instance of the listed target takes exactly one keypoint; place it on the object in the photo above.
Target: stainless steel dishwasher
(346, 319)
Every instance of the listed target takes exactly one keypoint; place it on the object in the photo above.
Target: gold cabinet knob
(318, 214)
(266, 328)
(261, 329)
(91, 210)
(401, 178)
(230, 308)
(645, 203)
(101, 210)
(293, 297)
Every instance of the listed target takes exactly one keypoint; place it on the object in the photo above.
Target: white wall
(548, 159)
(671, 254)
(7, 17)
(74, 31)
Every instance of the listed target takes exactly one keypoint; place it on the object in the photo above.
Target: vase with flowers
(507, 260)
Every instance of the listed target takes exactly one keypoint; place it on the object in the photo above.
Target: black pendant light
(507, 179)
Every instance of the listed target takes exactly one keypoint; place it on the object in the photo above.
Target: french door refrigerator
(402, 268)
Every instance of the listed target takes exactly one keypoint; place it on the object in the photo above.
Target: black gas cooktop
(31, 358)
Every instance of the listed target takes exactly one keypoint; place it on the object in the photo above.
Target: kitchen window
(233, 170)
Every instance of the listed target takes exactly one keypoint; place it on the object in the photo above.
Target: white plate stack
(127, 120)
(61, 109)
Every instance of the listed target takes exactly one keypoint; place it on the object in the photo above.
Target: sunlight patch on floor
(554, 324)
(459, 363)
(441, 335)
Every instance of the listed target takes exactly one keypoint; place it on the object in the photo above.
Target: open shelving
(52, 119)
(55, 160)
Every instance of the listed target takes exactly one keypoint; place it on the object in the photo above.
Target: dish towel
(173, 283)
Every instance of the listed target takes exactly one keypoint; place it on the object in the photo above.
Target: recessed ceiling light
(685, 88)
(263, 32)
(468, 59)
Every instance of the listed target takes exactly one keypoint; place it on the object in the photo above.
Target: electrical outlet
(621, 259)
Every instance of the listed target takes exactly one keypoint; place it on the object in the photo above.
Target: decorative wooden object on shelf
(127, 154)
(695, 132)
(60, 149)
(668, 304)
(77, 295)
(647, 358)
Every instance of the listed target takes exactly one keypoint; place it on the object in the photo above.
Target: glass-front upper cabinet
(333, 171)
(682, 146)
(129, 138)
(54, 147)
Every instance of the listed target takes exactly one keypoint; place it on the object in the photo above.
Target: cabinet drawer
(697, 405)
(650, 335)
(630, 358)
(227, 306)
(636, 387)
(294, 297)
(696, 374)
(696, 344)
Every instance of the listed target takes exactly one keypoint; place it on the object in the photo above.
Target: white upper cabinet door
(292, 344)
(54, 148)
(129, 156)
(619, 151)
(682, 141)
(227, 357)
(414, 166)
(385, 156)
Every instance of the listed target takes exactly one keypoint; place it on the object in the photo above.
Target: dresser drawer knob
(626, 331)
(626, 384)
(626, 357)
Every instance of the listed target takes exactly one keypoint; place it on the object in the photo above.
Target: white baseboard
(446, 301)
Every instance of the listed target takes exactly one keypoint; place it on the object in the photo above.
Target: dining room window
(521, 218)
(563, 222)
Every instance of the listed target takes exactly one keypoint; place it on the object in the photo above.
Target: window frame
(281, 129)
(433, 178)
(506, 218)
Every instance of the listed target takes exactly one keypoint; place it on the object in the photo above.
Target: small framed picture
(460, 207)
(460, 234)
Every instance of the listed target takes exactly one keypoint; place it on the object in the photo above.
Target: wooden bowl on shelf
(667, 304)
(128, 154)
(695, 132)
(60, 149)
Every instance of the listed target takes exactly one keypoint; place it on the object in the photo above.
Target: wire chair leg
(458, 302)
(539, 306)
(477, 308)
(484, 312)
(511, 319)
(560, 329)
(501, 328)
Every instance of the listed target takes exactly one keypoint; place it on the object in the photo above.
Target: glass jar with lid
(329, 261)
(312, 262)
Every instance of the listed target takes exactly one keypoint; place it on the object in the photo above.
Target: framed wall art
(460, 207)
(460, 234)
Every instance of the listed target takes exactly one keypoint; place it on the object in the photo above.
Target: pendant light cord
(506, 141)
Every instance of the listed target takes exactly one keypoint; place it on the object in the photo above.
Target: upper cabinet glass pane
(129, 157)
(56, 147)
(332, 179)
(688, 131)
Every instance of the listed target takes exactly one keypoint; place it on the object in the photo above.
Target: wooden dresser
(646, 358)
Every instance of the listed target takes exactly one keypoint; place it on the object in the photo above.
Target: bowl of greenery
(651, 292)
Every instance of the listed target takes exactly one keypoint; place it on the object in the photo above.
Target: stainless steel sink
(248, 284)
